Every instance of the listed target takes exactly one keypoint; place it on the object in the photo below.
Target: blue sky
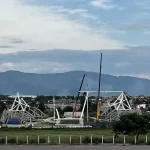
(121, 28)
(123, 20)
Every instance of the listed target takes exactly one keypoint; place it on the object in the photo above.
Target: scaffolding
(22, 111)
(113, 111)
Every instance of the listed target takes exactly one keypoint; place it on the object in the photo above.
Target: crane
(74, 109)
(98, 97)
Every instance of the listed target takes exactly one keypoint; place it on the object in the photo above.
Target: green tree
(68, 109)
(2, 106)
(82, 100)
(60, 111)
(41, 106)
(132, 124)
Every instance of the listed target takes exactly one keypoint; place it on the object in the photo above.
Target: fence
(73, 139)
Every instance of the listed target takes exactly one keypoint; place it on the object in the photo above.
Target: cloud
(133, 61)
(17, 41)
(43, 28)
(136, 26)
(144, 4)
(5, 46)
(147, 32)
(128, 27)
(122, 64)
(35, 67)
(104, 4)
(6, 66)
(81, 13)
(146, 76)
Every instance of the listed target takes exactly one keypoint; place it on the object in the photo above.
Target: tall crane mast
(99, 89)
(74, 109)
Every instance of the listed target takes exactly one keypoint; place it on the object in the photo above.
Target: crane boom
(74, 109)
(99, 89)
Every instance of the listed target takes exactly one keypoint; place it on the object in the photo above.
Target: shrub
(2, 140)
(86, 140)
(12, 140)
(43, 140)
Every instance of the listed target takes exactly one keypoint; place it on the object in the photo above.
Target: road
(113, 147)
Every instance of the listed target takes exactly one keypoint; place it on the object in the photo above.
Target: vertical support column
(146, 139)
(6, 140)
(102, 139)
(70, 139)
(87, 96)
(27, 139)
(38, 139)
(135, 139)
(16, 139)
(80, 139)
(48, 141)
(124, 139)
(113, 139)
(54, 106)
(91, 139)
(59, 139)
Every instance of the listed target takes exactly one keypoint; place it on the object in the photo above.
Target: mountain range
(68, 83)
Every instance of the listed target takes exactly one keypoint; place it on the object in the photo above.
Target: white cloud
(147, 32)
(83, 13)
(36, 67)
(104, 4)
(7, 66)
(122, 64)
(145, 76)
(42, 28)
(144, 4)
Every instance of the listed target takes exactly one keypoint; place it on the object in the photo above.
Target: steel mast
(99, 89)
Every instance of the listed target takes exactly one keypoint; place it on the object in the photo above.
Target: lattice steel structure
(119, 107)
(22, 111)
(113, 110)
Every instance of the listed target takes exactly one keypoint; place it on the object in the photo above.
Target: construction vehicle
(75, 105)
(99, 89)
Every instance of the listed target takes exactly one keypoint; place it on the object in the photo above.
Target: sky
(49, 36)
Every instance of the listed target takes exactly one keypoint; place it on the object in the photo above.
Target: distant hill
(68, 83)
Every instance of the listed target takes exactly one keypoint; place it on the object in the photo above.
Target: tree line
(132, 124)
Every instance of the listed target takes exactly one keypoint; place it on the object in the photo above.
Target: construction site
(22, 114)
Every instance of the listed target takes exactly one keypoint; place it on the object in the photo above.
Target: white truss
(121, 103)
(19, 104)
(21, 110)
(114, 110)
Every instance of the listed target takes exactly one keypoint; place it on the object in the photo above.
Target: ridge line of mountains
(68, 83)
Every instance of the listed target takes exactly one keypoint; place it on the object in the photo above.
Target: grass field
(36, 132)
(77, 136)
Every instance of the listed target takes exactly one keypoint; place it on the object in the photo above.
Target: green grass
(46, 132)
(65, 136)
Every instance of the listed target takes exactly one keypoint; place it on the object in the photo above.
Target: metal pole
(80, 140)
(6, 140)
(113, 139)
(146, 139)
(27, 140)
(87, 106)
(48, 140)
(124, 140)
(54, 105)
(38, 139)
(70, 139)
(102, 139)
(59, 139)
(17, 140)
(91, 139)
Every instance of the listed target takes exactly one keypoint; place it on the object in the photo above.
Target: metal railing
(72, 139)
